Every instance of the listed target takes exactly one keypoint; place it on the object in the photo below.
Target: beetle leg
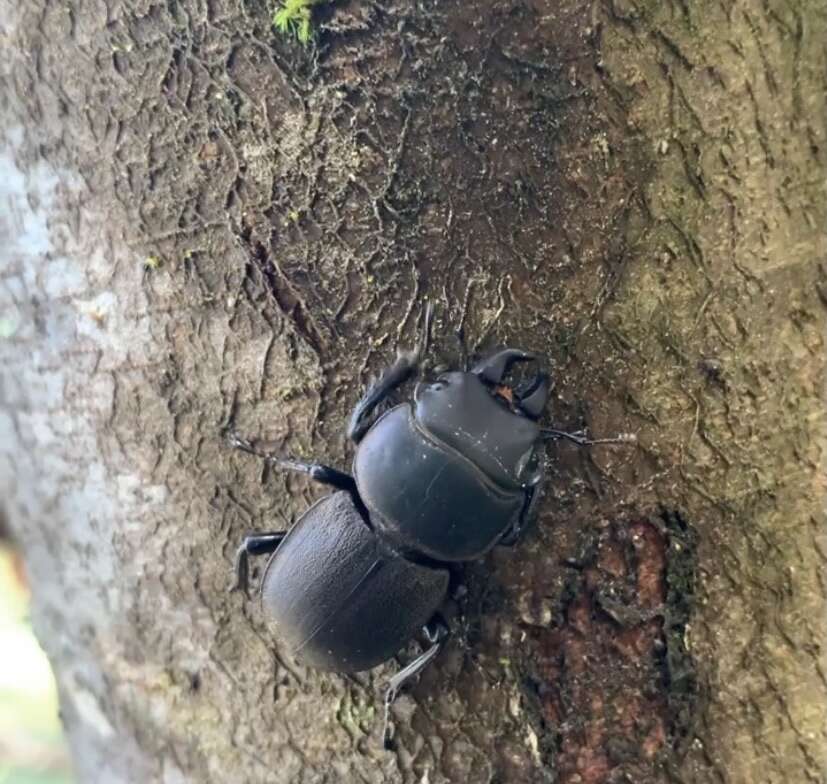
(436, 632)
(320, 473)
(361, 419)
(494, 368)
(407, 363)
(463, 350)
(528, 514)
(253, 544)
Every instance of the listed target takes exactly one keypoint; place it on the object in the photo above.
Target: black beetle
(439, 481)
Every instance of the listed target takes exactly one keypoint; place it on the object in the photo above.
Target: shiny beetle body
(340, 598)
(462, 467)
(438, 480)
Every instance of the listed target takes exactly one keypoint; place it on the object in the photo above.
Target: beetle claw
(495, 367)
(241, 570)
(237, 442)
(387, 727)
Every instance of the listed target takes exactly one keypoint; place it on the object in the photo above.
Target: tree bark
(207, 224)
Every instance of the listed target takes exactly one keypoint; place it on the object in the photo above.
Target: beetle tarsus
(253, 544)
(405, 366)
(436, 631)
(237, 442)
(241, 571)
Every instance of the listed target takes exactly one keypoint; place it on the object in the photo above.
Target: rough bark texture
(205, 223)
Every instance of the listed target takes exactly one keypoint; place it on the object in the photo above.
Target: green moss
(294, 18)
(355, 714)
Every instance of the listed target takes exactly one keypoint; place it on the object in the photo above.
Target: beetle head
(489, 422)
(528, 397)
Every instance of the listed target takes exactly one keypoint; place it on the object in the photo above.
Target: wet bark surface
(208, 225)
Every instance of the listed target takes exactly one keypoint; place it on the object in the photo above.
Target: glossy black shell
(340, 598)
(448, 476)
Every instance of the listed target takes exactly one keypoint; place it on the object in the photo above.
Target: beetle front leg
(253, 544)
(528, 514)
(436, 632)
(407, 363)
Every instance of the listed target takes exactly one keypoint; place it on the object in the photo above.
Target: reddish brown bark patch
(609, 698)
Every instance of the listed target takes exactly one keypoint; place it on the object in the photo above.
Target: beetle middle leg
(320, 473)
(407, 363)
(436, 632)
(253, 544)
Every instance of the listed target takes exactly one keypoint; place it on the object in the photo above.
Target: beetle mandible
(436, 481)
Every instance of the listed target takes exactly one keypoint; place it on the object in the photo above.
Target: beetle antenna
(580, 438)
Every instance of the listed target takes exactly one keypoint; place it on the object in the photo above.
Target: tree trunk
(208, 223)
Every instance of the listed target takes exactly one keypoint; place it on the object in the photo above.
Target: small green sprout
(293, 17)
(152, 263)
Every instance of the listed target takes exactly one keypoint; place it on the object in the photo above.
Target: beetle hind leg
(436, 632)
(253, 544)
